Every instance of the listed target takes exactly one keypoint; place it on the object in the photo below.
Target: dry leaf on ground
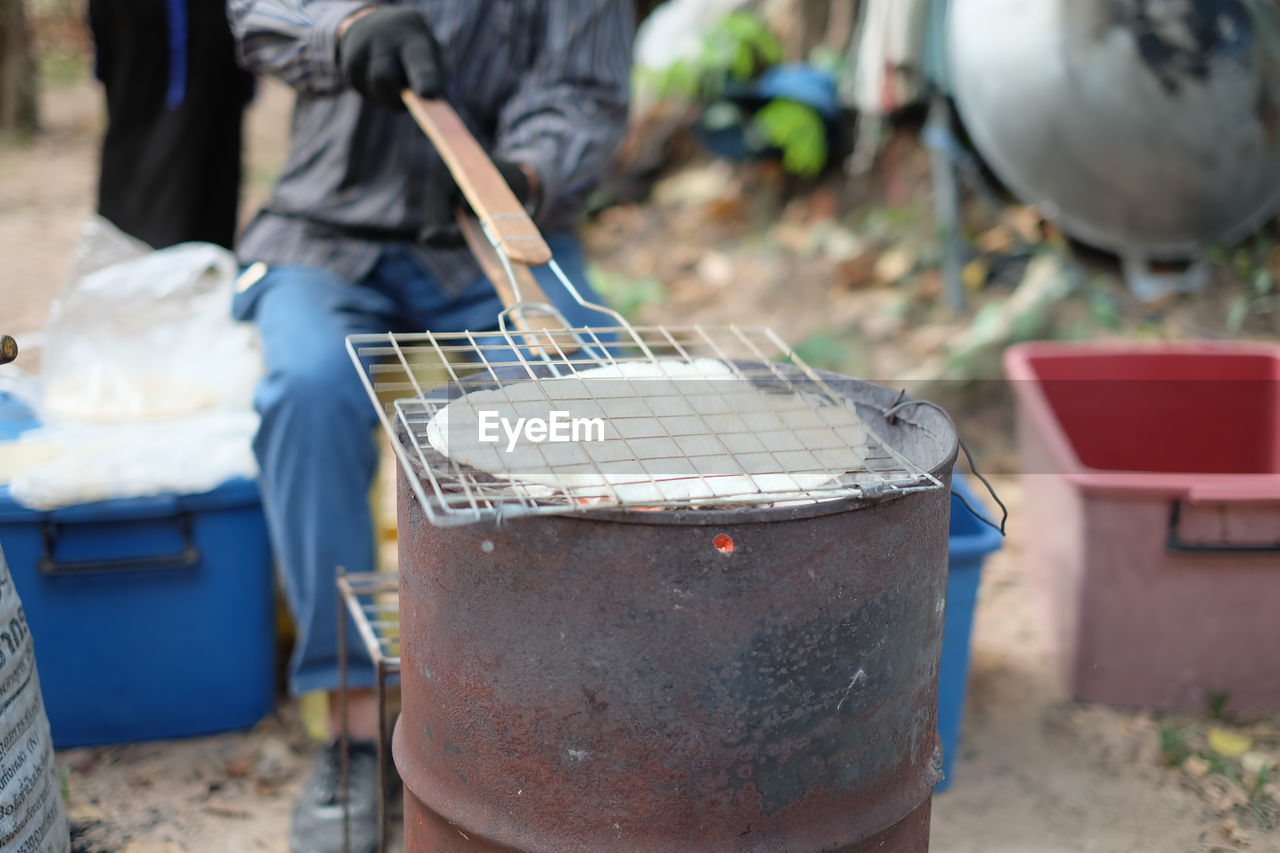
(1228, 743)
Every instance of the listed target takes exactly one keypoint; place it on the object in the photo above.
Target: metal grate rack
(372, 599)
(414, 378)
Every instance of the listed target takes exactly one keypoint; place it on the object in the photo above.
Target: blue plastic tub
(969, 544)
(152, 617)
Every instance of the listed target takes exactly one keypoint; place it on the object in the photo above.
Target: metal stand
(372, 599)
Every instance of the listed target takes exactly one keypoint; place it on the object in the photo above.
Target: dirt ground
(1036, 772)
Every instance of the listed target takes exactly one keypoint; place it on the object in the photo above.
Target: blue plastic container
(969, 544)
(152, 617)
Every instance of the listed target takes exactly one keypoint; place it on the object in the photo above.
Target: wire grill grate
(696, 417)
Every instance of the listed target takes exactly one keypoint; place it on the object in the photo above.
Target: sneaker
(317, 817)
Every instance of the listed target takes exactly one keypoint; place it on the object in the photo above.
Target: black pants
(175, 108)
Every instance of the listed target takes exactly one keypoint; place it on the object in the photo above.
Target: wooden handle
(530, 290)
(480, 181)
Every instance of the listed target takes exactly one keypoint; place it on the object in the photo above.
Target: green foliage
(823, 350)
(1262, 282)
(628, 296)
(1221, 765)
(888, 222)
(1259, 782)
(1251, 265)
(1238, 313)
(1104, 308)
(740, 45)
(987, 321)
(799, 131)
(1173, 745)
(681, 79)
(1025, 325)
(735, 50)
(1218, 703)
(1184, 741)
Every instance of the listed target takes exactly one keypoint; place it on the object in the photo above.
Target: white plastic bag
(71, 464)
(101, 245)
(149, 337)
(147, 382)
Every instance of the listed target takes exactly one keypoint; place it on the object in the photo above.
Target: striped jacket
(543, 82)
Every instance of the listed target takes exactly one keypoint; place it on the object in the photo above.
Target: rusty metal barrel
(755, 679)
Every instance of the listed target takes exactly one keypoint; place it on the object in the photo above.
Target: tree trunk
(17, 71)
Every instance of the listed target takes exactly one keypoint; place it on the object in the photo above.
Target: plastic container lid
(232, 494)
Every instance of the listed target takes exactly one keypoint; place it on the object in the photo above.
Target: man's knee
(316, 390)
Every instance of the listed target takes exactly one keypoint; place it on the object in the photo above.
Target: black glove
(440, 229)
(390, 49)
(516, 178)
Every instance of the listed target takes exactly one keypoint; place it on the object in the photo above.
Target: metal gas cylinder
(1150, 128)
(756, 679)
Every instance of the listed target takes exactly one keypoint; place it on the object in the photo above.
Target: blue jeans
(316, 446)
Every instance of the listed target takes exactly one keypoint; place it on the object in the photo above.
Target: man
(358, 237)
(175, 104)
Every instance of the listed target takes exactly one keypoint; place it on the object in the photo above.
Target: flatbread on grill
(673, 431)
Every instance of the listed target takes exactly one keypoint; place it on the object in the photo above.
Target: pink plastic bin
(1152, 480)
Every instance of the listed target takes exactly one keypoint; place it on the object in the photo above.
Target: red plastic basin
(1153, 499)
